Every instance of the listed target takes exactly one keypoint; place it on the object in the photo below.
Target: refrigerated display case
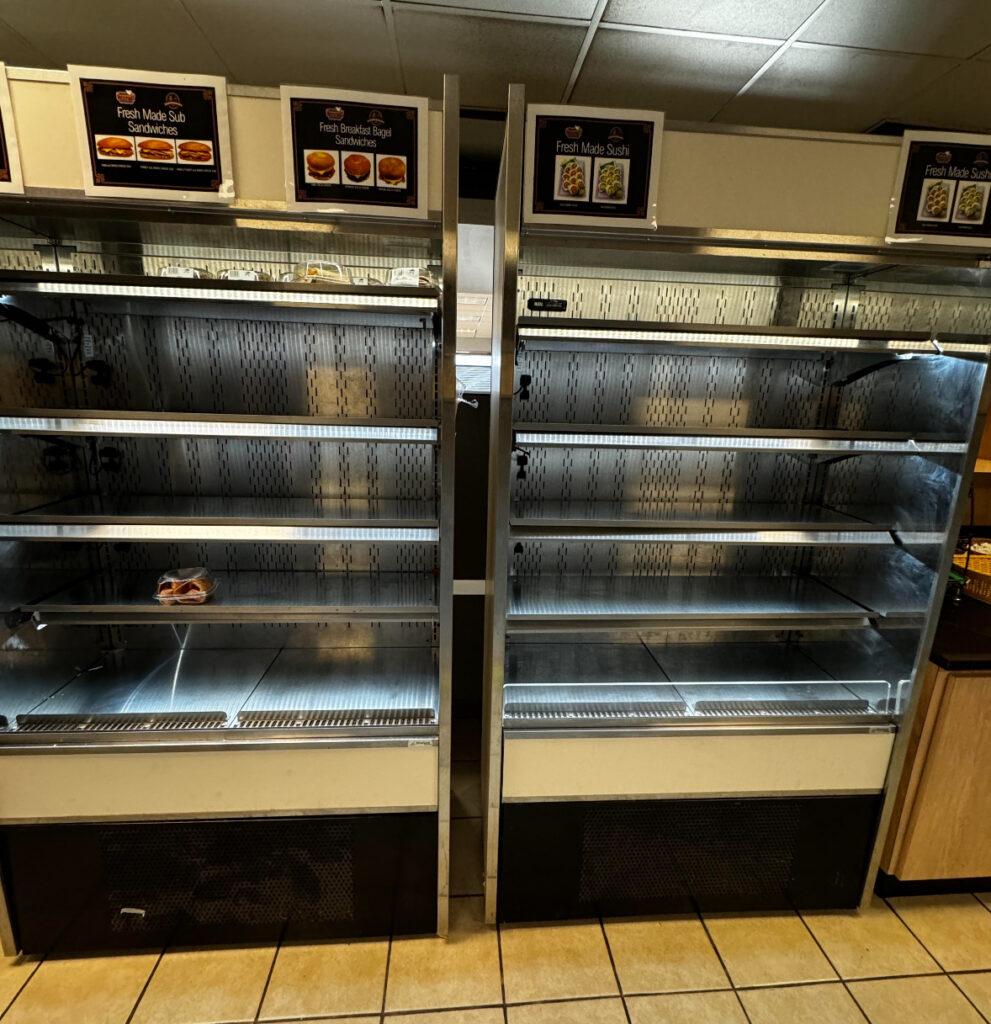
(725, 485)
(275, 759)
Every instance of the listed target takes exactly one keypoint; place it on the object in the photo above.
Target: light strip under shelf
(697, 442)
(181, 427)
(155, 290)
(178, 531)
(765, 537)
(732, 340)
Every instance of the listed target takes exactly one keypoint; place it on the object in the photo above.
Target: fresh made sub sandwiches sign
(151, 135)
(362, 153)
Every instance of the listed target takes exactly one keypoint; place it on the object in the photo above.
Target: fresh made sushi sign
(942, 190)
(148, 135)
(361, 153)
(592, 164)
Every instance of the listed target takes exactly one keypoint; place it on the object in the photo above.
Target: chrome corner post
(448, 412)
(504, 315)
(899, 752)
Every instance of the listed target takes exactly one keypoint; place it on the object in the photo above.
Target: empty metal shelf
(347, 687)
(713, 515)
(144, 684)
(29, 677)
(568, 665)
(248, 596)
(174, 424)
(791, 538)
(736, 662)
(210, 511)
(173, 532)
(538, 600)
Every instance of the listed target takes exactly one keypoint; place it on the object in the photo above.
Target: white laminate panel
(148, 784)
(700, 765)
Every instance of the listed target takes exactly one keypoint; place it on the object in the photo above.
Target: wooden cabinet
(943, 818)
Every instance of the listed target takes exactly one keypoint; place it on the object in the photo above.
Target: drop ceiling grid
(812, 64)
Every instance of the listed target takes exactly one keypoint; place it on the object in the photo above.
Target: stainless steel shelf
(29, 677)
(274, 428)
(154, 510)
(248, 597)
(308, 295)
(564, 334)
(172, 532)
(795, 538)
(355, 687)
(713, 515)
(535, 602)
(825, 442)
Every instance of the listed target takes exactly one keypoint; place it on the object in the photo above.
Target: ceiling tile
(947, 28)
(832, 88)
(552, 8)
(301, 42)
(70, 32)
(488, 54)
(769, 19)
(962, 100)
(689, 79)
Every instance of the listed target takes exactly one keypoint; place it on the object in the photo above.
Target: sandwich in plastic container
(194, 585)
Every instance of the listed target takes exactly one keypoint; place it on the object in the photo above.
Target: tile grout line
(385, 980)
(722, 963)
(271, 970)
(145, 986)
(829, 960)
(502, 974)
(17, 994)
(615, 970)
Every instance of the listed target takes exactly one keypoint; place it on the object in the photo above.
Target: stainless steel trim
(790, 537)
(173, 532)
(737, 728)
(614, 797)
(900, 749)
(448, 414)
(506, 259)
(212, 815)
(11, 745)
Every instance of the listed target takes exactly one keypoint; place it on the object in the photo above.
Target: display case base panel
(585, 859)
(91, 887)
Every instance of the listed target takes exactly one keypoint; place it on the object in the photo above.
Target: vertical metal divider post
(448, 415)
(504, 316)
(899, 752)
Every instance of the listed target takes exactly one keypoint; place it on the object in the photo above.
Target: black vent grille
(174, 721)
(593, 710)
(346, 719)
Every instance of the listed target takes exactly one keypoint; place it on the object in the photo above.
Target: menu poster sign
(591, 164)
(942, 189)
(351, 152)
(148, 135)
(10, 162)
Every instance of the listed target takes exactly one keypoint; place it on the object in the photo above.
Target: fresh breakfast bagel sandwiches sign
(148, 135)
(355, 152)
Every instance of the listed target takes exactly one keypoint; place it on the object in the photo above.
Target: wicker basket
(978, 573)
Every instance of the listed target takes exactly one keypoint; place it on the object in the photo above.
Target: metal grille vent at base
(593, 710)
(338, 719)
(788, 708)
(137, 722)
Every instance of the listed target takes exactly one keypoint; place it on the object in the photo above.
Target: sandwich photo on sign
(149, 135)
(361, 153)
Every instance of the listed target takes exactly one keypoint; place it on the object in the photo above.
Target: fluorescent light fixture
(791, 537)
(178, 531)
(191, 427)
(155, 290)
(697, 442)
(848, 341)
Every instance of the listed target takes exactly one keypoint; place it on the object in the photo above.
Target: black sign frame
(592, 166)
(942, 193)
(172, 129)
(347, 126)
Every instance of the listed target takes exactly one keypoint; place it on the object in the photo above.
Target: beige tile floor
(910, 960)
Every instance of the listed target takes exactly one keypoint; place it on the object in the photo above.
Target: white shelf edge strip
(726, 537)
(163, 291)
(693, 441)
(213, 428)
(713, 338)
(185, 531)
